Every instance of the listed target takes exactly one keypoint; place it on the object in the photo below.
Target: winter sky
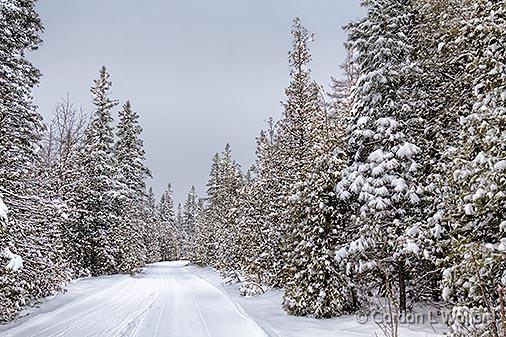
(200, 73)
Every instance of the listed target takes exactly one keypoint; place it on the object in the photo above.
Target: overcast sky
(200, 73)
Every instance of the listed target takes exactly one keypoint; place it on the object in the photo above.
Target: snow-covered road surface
(165, 299)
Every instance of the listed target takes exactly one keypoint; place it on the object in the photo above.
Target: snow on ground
(164, 300)
(267, 311)
(174, 299)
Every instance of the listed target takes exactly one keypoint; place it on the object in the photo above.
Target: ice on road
(165, 299)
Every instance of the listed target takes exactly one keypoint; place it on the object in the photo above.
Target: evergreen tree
(302, 123)
(33, 220)
(95, 221)
(131, 175)
(225, 202)
(189, 219)
(381, 178)
(475, 277)
(265, 263)
(321, 285)
(167, 226)
(206, 228)
(152, 232)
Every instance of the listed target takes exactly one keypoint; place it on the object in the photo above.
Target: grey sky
(200, 73)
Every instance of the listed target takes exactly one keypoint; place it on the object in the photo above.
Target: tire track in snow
(197, 308)
(72, 307)
(163, 300)
(111, 310)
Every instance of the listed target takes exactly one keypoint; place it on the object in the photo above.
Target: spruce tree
(152, 233)
(95, 222)
(167, 226)
(475, 276)
(189, 219)
(321, 285)
(381, 179)
(302, 123)
(207, 224)
(32, 234)
(227, 230)
(131, 176)
(266, 262)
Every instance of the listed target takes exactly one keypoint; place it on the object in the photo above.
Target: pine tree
(32, 233)
(321, 285)
(131, 175)
(206, 228)
(382, 177)
(266, 262)
(225, 202)
(296, 134)
(167, 226)
(189, 219)
(95, 221)
(475, 277)
(152, 233)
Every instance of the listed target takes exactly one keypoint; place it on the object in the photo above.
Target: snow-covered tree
(131, 175)
(189, 219)
(260, 207)
(475, 277)
(321, 286)
(381, 178)
(95, 221)
(291, 152)
(206, 227)
(167, 226)
(152, 233)
(32, 234)
(225, 202)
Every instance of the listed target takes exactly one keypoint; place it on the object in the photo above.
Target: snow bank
(266, 310)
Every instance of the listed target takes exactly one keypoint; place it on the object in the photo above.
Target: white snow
(15, 261)
(407, 150)
(399, 185)
(481, 158)
(469, 209)
(377, 156)
(3, 210)
(173, 299)
(341, 254)
(362, 120)
(500, 165)
(294, 198)
(412, 247)
(413, 198)
(266, 310)
(502, 245)
(446, 293)
(166, 299)
(412, 231)
(387, 121)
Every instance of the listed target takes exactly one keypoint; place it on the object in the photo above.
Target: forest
(386, 191)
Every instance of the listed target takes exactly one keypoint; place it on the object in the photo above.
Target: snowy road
(164, 300)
